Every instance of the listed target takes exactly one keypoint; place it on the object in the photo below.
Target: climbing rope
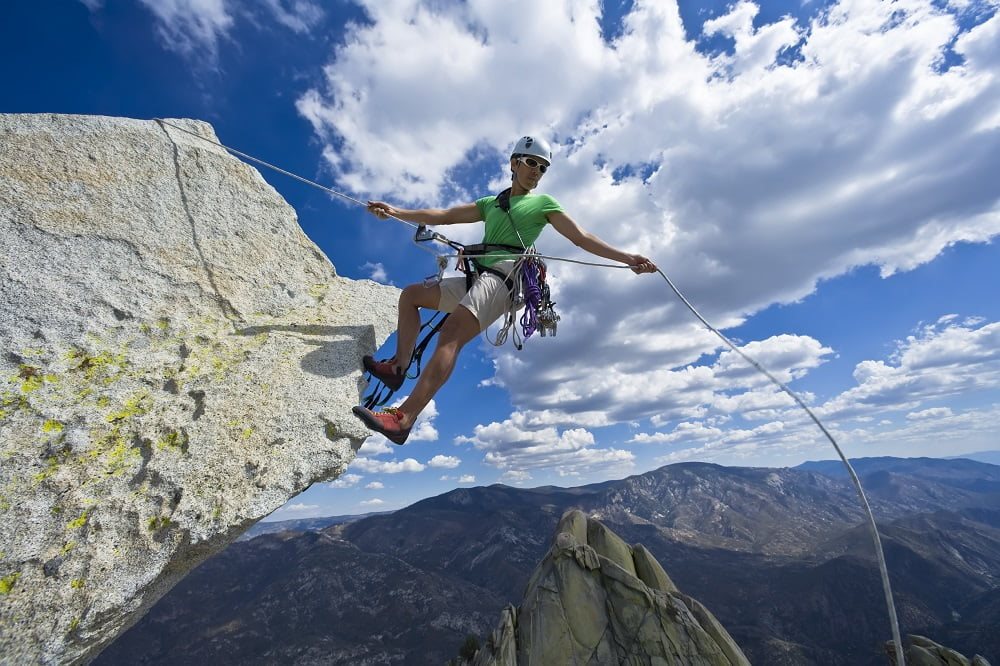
(532, 298)
(430, 235)
(879, 553)
(278, 169)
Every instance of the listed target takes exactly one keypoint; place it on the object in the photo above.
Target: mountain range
(782, 557)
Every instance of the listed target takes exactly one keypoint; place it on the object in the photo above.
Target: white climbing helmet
(530, 145)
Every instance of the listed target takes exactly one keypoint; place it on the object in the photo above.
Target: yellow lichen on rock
(131, 352)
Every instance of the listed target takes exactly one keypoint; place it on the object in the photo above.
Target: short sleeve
(549, 205)
(484, 205)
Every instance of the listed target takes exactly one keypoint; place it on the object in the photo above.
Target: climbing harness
(546, 315)
(525, 282)
(539, 309)
(528, 273)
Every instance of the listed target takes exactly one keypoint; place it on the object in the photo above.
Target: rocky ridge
(596, 600)
(179, 360)
(470, 552)
(922, 651)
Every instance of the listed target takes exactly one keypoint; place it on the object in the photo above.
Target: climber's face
(528, 170)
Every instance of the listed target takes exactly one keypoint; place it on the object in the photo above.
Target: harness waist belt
(473, 267)
(484, 248)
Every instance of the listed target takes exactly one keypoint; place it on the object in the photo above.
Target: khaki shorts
(488, 300)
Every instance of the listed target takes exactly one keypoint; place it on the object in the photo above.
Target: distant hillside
(991, 457)
(301, 525)
(930, 468)
(780, 556)
(957, 473)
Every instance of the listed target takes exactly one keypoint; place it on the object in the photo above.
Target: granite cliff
(178, 360)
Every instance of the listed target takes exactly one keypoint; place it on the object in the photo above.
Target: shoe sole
(375, 426)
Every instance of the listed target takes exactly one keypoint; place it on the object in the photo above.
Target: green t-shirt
(527, 212)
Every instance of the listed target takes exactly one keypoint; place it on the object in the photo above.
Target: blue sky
(820, 179)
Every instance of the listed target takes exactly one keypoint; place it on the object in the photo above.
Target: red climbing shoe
(384, 371)
(386, 423)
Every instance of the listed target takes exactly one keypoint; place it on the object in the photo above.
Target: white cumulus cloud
(387, 467)
(376, 445)
(511, 447)
(811, 148)
(376, 272)
(446, 462)
(931, 413)
(299, 507)
(345, 481)
(944, 360)
(516, 477)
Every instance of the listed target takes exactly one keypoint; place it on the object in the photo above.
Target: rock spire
(596, 600)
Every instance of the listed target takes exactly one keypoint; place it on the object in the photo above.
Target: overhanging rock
(178, 360)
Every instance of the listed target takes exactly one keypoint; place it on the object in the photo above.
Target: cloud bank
(751, 159)
(798, 151)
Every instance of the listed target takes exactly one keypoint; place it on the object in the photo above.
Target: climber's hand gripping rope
(640, 264)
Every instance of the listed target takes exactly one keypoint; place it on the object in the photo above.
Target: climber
(514, 219)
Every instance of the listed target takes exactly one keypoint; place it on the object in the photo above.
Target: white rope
(278, 169)
(879, 553)
(511, 319)
(873, 528)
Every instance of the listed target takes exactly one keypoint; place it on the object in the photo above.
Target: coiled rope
(532, 299)
(873, 528)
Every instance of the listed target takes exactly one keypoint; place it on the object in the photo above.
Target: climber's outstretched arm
(430, 216)
(565, 225)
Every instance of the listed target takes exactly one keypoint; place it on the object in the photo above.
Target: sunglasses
(532, 163)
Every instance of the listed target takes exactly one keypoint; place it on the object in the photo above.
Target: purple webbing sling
(532, 298)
